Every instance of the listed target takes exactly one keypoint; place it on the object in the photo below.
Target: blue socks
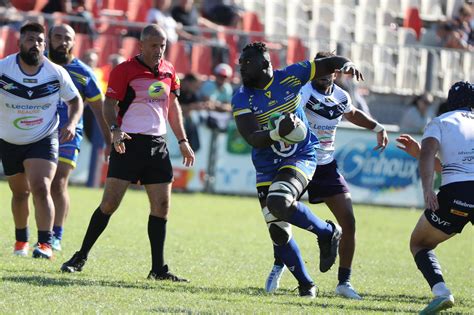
(58, 232)
(303, 218)
(291, 256)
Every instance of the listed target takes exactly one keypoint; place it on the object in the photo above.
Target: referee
(144, 89)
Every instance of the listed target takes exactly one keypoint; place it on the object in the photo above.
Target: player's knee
(279, 207)
(58, 185)
(108, 206)
(280, 233)
(40, 190)
(279, 200)
(20, 195)
(419, 242)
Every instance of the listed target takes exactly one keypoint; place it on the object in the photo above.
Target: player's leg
(423, 240)
(159, 197)
(20, 209)
(114, 191)
(40, 173)
(285, 249)
(68, 156)
(12, 161)
(59, 191)
(158, 179)
(341, 206)
(282, 203)
(456, 209)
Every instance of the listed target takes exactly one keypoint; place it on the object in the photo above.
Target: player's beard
(59, 57)
(31, 57)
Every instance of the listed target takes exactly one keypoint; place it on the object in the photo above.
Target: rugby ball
(296, 135)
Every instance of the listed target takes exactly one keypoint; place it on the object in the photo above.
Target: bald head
(61, 42)
(153, 30)
(62, 29)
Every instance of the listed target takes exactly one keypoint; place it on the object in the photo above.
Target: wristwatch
(113, 127)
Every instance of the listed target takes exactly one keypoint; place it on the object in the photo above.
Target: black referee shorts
(456, 207)
(146, 161)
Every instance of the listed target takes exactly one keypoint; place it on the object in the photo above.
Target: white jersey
(324, 112)
(455, 133)
(28, 103)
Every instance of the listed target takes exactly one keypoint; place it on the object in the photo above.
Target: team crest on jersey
(156, 89)
(29, 92)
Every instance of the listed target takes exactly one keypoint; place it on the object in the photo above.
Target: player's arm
(118, 136)
(413, 148)
(75, 110)
(328, 65)
(249, 129)
(359, 118)
(96, 107)
(175, 119)
(429, 148)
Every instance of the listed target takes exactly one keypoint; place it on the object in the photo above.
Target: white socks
(440, 289)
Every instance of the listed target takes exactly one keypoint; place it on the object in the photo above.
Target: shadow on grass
(225, 293)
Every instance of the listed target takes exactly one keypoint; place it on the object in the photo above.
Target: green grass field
(221, 244)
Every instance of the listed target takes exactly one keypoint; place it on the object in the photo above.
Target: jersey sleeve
(118, 82)
(305, 94)
(241, 104)
(175, 83)
(67, 89)
(433, 130)
(349, 106)
(92, 90)
(304, 71)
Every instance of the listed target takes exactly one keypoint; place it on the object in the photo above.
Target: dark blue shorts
(13, 155)
(326, 182)
(456, 207)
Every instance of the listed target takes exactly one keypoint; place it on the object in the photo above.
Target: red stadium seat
(106, 45)
(178, 56)
(130, 47)
(231, 40)
(251, 23)
(9, 38)
(412, 20)
(275, 58)
(138, 10)
(296, 50)
(201, 59)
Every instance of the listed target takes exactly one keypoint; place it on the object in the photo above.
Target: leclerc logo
(27, 123)
(364, 167)
(156, 89)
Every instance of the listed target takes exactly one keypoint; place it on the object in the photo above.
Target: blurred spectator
(218, 95)
(189, 101)
(447, 36)
(9, 14)
(463, 21)
(418, 115)
(52, 6)
(159, 14)
(112, 61)
(222, 12)
(186, 13)
(79, 9)
(91, 58)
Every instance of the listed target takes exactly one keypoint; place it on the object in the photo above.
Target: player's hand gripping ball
(296, 134)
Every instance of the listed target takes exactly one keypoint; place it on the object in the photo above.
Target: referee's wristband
(378, 127)
(182, 140)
